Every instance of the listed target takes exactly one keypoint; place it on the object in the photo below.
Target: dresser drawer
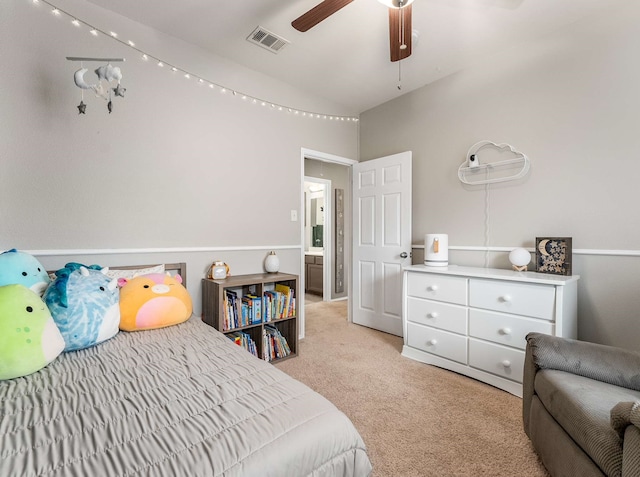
(438, 287)
(496, 359)
(438, 342)
(509, 330)
(528, 299)
(437, 314)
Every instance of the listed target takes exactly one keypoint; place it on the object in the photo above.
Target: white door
(381, 240)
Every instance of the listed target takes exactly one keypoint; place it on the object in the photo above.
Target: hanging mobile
(82, 108)
(119, 90)
(107, 72)
(109, 104)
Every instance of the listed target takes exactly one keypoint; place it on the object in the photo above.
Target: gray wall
(570, 102)
(178, 172)
(340, 179)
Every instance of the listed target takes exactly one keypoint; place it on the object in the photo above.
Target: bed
(180, 400)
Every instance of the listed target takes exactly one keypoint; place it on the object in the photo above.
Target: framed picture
(553, 255)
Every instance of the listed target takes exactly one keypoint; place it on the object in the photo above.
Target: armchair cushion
(582, 406)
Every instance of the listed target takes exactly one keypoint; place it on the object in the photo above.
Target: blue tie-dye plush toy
(21, 268)
(84, 303)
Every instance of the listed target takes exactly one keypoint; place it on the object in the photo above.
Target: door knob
(404, 255)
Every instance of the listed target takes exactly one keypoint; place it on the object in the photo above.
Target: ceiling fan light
(396, 3)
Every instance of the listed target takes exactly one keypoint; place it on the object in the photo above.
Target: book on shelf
(244, 311)
(270, 300)
(231, 310)
(281, 302)
(274, 345)
(247, 307)
(244, 340)
(225, 317)
(255, 308)
(292, 306)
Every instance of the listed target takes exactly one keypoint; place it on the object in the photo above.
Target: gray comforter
(179, 401)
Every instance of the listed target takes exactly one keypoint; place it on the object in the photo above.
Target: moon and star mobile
(108, 73)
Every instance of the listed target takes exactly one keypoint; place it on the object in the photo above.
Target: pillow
(84, 304)
(24, 269)
(153, 301)
(129, 274)
(29, 338)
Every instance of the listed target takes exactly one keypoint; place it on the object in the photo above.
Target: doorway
(336, 170)
(317, 239)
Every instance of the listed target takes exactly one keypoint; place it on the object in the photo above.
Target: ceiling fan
(399, 22)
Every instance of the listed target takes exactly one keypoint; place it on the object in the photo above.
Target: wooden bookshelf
(215, 311)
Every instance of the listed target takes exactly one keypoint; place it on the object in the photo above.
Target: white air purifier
(436, 250)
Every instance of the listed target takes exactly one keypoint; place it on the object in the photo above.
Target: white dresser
(474, 320)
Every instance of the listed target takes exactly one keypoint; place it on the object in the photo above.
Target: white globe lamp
(520, 258)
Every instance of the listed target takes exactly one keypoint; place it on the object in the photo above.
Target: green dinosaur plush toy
(29, 338)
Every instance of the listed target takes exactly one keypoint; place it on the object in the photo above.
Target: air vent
(268, 40)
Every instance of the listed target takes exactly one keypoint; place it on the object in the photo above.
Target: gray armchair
(581, 406)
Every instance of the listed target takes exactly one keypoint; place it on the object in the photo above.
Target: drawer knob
(432, 288)
(432, 342)
(505, 331)
(506, 363)
(433, 314)
(505, 298)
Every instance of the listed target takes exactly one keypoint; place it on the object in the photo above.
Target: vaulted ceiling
(345, 58)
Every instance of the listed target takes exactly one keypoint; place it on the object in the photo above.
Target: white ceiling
(345, 58)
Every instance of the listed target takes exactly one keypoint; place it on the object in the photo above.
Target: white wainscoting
(579, 251)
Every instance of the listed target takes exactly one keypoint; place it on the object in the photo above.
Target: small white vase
(272, 263)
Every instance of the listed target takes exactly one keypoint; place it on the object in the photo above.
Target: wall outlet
(294, 215)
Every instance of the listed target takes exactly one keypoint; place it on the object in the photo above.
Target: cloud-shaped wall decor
(488, 162)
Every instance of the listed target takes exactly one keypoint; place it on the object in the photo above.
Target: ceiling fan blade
(400, 32)
(318, 13)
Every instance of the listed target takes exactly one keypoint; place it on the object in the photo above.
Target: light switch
(294, 215)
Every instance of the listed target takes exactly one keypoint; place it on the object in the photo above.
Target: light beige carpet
(416, 420)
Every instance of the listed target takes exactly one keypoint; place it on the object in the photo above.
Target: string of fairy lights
(188, 75)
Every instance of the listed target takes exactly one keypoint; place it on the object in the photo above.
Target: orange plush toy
(153, 301)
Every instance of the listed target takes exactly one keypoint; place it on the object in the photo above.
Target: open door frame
(327, 234)
(324, 157)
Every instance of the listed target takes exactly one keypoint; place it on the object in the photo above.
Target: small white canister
(436, 250)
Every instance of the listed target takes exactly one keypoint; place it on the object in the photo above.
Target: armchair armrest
(625, 420)
(603, 363)
(625, 414)
(595, 361)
